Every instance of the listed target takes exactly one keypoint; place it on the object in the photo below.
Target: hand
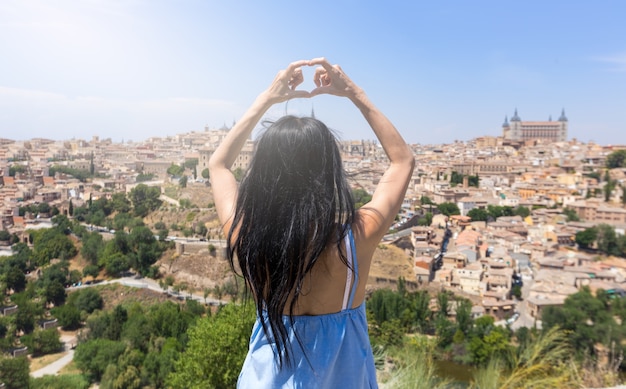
(284, 86)
(330, 79)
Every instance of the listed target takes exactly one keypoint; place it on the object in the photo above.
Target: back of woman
(303, 249)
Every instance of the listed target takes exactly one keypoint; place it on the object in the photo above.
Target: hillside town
(511, 265)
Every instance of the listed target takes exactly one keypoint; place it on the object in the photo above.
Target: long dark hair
(293, 202)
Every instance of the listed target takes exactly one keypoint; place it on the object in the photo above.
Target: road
(54, 368)
(525, 319)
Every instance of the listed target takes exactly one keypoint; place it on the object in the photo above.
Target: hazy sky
(441, 70)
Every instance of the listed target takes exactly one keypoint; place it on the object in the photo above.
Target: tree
(175, 170)
(144, 249)
(120, 203)
(65, 381)
(487, 341)
(217, 366)
(205, 173)
(116, 264)
(238, 173)
(449, 209)
(46, 342)
(145, 199)
(14, 372)
(586, 320)
(521, 211)
(586, 237)
(68, 316)
(361, 197)
(93, 356)
(571, 214)
(183, 182)
(55, 293)
(15, 279)
(91, 270)
(478, 214)
(616, 159)
(426, 220)
(87, 300)
(425, 200)
(92, 247)
(606, 239)
(51, 244)
(4, 235)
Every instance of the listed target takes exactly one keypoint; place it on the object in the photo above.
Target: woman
(303, 249)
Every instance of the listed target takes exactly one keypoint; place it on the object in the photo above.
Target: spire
(563, 118)
(312, 111)
(550, 118)
(516, 117)
(506, 121)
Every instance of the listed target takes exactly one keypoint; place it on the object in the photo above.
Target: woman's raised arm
(223, 182)
(375, 217)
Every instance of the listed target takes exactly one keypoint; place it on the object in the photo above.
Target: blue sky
(441, 70)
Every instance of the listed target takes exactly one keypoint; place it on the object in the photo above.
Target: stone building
(549, 131)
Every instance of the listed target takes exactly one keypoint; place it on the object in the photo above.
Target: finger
(317, 76)
(295, 65)
(321, 61)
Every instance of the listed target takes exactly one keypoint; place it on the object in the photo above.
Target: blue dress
(335, 350)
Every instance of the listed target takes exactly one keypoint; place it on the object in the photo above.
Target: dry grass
(45, 360)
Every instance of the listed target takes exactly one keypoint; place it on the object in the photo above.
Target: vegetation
(81, 175)
(616, 159)
(449, 209)
(456, 179)
(361, 197)
(217, 366)
(603, 238)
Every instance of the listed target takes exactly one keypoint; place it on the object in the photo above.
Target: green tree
(571, 214)
(93, 356)
(4, 235)
(87, 300)
(606, 239)
(616, 159)
(239, 174)
(145, 199)
(65, 381)
(183, 182)
(144, 249)
(449, 209)
(14, 372)
(116, 264)
(521, 211)
(205, 173)
(46, 342)
(545, 362)
(68, 316)
(52, 244)
(92, 247)
(218, 366)
(55, 293)
(175, 170)
(488, 341)
(586, 320)
(478, 214)
(426, 220)
(586, 237)
(120, 203)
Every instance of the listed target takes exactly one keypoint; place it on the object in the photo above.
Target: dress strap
(351, 283)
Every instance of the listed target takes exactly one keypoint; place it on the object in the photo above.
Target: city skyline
(441, 72)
